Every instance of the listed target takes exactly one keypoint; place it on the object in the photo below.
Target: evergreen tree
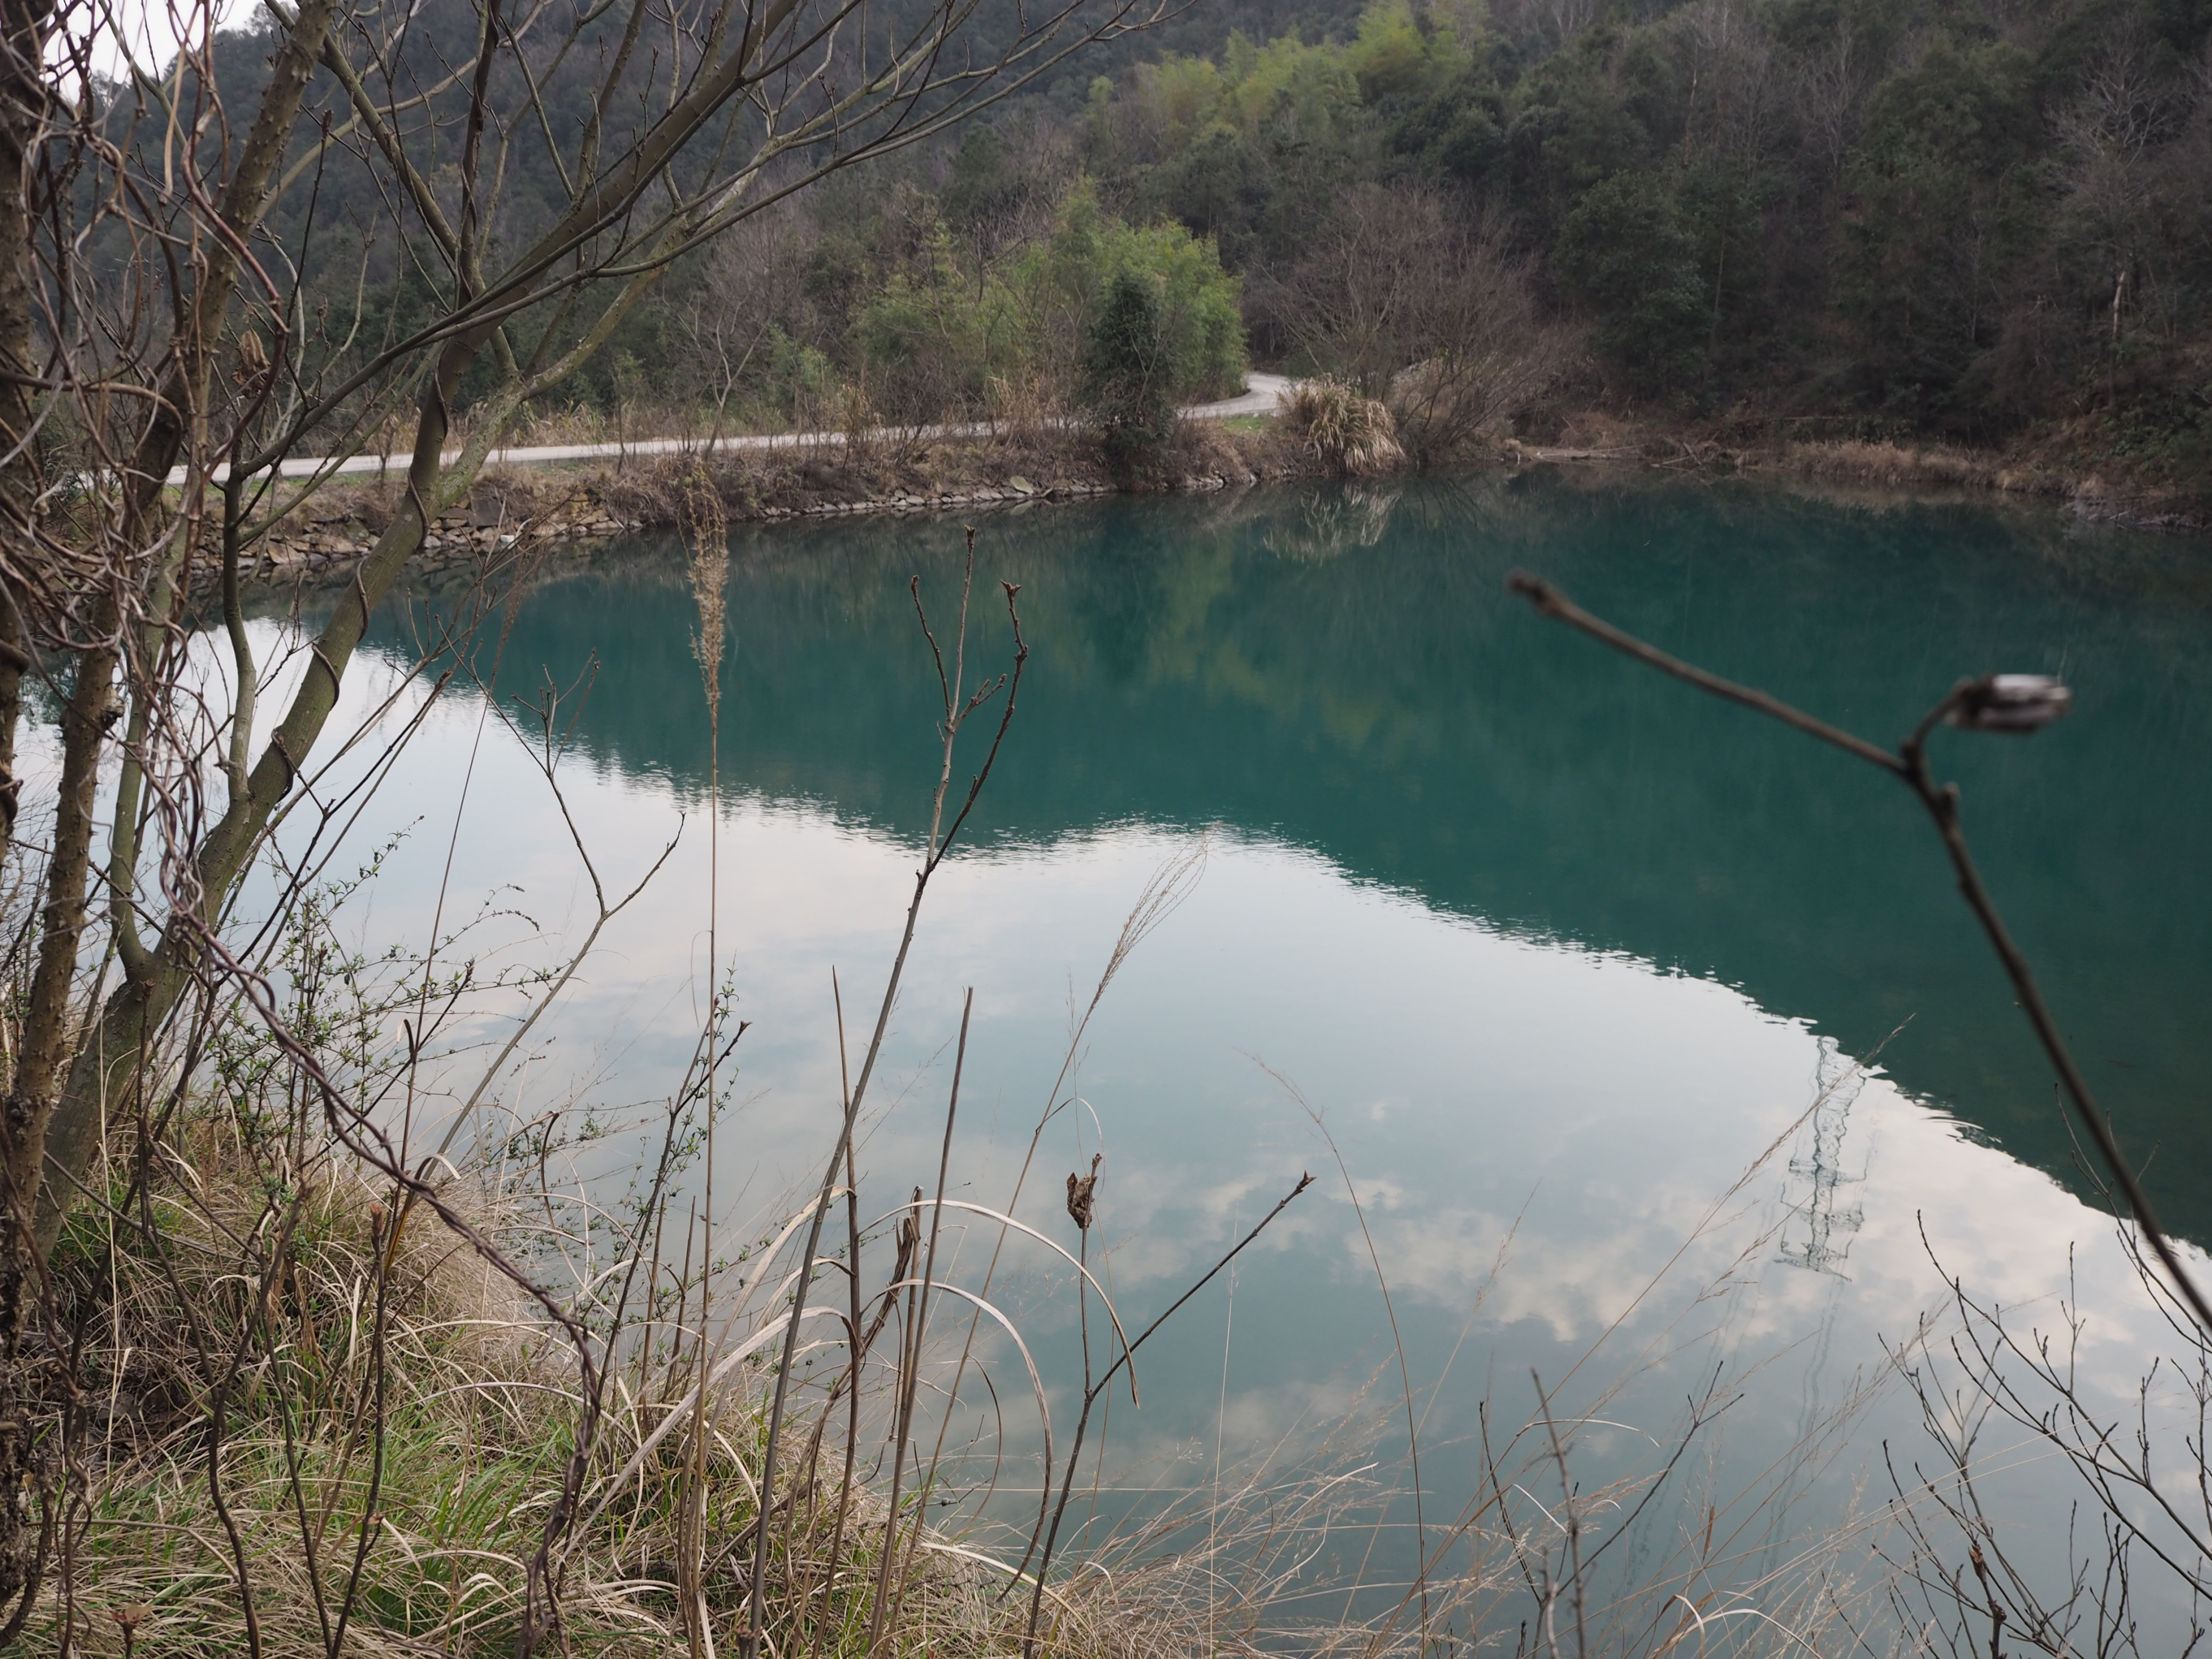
(1125, 387)
(1625, 254)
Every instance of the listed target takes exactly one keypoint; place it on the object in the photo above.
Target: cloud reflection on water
(1481, 1085)
(1483, 1081)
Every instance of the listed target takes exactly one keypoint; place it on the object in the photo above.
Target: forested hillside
(1965, 218)
(1987, 221)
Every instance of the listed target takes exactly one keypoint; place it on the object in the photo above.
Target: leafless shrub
(753, 283)
(2132, 1577)
(1403, 297)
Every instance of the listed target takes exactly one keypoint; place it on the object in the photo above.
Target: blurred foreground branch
(2018, 703)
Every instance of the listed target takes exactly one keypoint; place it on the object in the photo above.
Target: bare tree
(1546, 24)
(1829, 90)
(1411, 303)
(751, 285)
(174, 331)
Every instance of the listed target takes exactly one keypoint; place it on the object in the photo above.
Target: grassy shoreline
(2065, 467)
(600, 500)
(376, 1475)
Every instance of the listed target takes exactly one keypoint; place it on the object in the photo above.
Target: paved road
(1259, 398)
(1261, 393)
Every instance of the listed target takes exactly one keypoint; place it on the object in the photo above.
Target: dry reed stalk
(706, 526)
(707, 540)
(959, 705)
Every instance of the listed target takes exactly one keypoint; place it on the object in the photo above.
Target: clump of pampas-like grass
(1354, 434)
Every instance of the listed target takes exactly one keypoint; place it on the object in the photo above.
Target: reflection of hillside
(1387, 706)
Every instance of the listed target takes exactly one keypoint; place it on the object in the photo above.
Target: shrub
(1126, 389)
(1399, 296)
(1625, 254)
(1353, 434)
(1065, 283)
(931, 341)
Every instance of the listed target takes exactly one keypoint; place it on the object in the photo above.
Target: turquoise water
(1557, 950)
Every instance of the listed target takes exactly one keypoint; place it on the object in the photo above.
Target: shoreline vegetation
(393, 1417)
(408, 1413)
(601, 500)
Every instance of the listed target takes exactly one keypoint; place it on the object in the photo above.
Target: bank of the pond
(2091, 483)
(432, 1450)
(602, 500)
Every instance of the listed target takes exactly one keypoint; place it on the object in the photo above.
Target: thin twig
(1090, 1397)
(1910, 764)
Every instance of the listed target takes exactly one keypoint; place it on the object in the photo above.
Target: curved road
(1259, 398)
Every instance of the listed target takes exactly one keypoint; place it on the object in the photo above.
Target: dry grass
(410, 1444)
(1027, 461)
(1353, 434)
(635, 421)
(396, 1435)
(1896, 466)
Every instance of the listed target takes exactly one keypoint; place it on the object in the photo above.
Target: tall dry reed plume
(706, 538)
(707, 553)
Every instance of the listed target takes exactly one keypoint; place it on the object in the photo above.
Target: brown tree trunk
(22, 119)
(29, 1103)
(44, 1052)
(109, 1057)
(14, 658)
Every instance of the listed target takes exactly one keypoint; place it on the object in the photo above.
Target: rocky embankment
(346, 528)
(546, 506)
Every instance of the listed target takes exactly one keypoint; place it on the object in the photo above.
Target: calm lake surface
(1582, 971)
